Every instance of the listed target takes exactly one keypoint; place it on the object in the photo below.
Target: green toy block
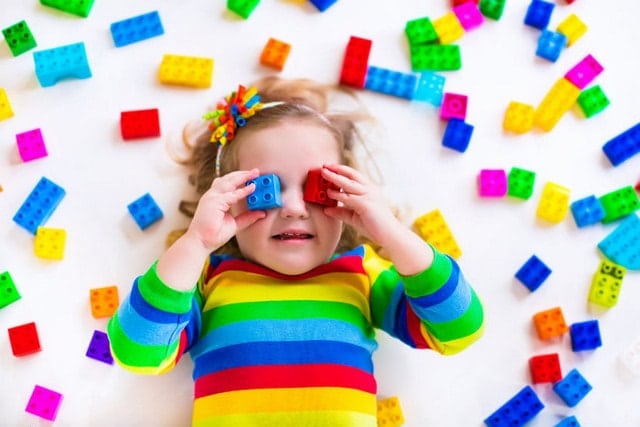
(520, 183)
(8, 291)
(619, 203)
(243, 8)
(592, 101)
(75, 7)
(435, 57)
(492, 8)
(420, 31)
(19, 38)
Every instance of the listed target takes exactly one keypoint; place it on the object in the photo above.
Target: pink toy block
(469, 15)
(44, 403)
(492, 183)
(31, 145)
(584, 72)
(454, 106)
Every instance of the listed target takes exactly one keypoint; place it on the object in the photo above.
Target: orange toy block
(550, 323)
(104, 301)
(275, 54)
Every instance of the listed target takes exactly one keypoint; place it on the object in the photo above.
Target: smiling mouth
(292, 236)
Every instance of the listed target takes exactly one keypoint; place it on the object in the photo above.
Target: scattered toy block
(630, 358)
(104, 301)
(145, 211)
(585, 335)
(622, 245)
(457, 135)
(518, 117)
(517, 411)
(242, 8)
(140, 124)
(44, 403)
(533, 273)
(31, 145)
(619, 203)
(492, 183)
(587, 211)
(435, 57)
(454, 106)
(266, 194)
(5, 106)
(136, 29)
(50, 243)
(468, 15)
(573, 28)
(572, 388)
(322, 5)
(99, 348)
(550, 45)
(389, 82)
(355, 62)
(448, 28)
(76, 7)
(390, 412)
(315, 189)
(545, 368)
(550, 323)
(624, 146)
(39, 205)
(521, 183)
(8, 291)
(24, 339)
(606, 284)
(492, 9)
(69, 61)
(430, 88)
(539, 14)
(554, 203)
(420, 31)
(560, 98)
(433, 228)
(584, 72)
(19, 38)
(186, 71)
(570, 421)
(275, 54)
(592, 101)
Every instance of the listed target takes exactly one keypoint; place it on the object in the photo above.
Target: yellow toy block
(5, 106)
(606, 284)
(390, 412)
(433, 228)
(554, 202)
(573, 28)
(104, 301)
(550, 323)
(518, 117)
(560, 98)
(186, 71)
(49, 243)
(448, 28)
(275, 54)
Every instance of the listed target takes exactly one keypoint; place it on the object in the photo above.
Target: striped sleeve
(153, 325)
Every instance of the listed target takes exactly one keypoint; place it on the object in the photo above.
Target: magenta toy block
(355, 62)
(469, 15)
(492, 183)
(545, 368)
(99, 348)
(31, 145)
(139, 124)
(44, 403)
(24, 339)
(454, 106)
(584, 72)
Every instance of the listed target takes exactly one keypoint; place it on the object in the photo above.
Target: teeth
(284, 236)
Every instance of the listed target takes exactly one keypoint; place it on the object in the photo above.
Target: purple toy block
(584, 72)
(454, 106)
(31, 145)
(99, 348)
(492, 183)
(44, 403)
(469, 15)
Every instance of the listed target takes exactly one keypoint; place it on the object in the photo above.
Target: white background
(102, 175)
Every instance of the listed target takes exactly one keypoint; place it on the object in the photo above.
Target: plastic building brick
(560, 98)
(572, 388)
(140, 124)
(420, 31)
(315, 189)
(539, 14)
(459, 2)
(145, 211)
(322, 5)
(24, 339)
(75, 7)
(8, 291)
(430, 88)
(587, 211)
(584, 72)
(550, 45)
(44, 403)
(355, 62)
(573, 28)
(448, 28)
(624, 146)
(275, 54)
(457, 135)
(517, 411)
(550, 323)
(545, 368)
(19, 38)
(554, 203)
(5, 106)
(592, 101)
(62, 62)
(435, 57)
(136, 29)
(186, 71)
(39, 205)
(622, 245)
(389, 412)
(492, 183)
(606, 284)
(242, 8)
(570, 421)
(31, 145)
(492, 9)
(619, 203)
(469, 15)
(454, 106)
(518, 117)
(630, 358)
(521, 183)
(99, 348)
(104, 301)
(533, 273)
(433, 228)
(266, 194)
(50, 243)
(585, 335)
(389, 82)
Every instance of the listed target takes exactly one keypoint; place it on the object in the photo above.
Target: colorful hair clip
(233, 112)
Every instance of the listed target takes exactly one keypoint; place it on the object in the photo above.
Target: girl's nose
(293, 204)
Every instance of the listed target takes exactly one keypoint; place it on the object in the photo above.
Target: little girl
(278, 307)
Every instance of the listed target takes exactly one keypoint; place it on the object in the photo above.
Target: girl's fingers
(348, 179)
(233, 180)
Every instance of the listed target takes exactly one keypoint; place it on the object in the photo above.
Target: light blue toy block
(39, 205)
(572, 388)
(266, 194)
(550, 45)
(430, 88)
(136, 29)
(145, 211)
(587, 211)
(62, 62)
(622, 245)
(391, 82)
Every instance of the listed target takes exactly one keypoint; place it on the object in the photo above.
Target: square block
(430, 88)
(136, 29)
(420, 31)
(592, 101)
(539, 14)
(469, 15)
(50, 243)
(389, 412)
(554, 203)
(587, 211)
(584, 72)
(518, 117)
(242, 8)
(550, 323)
(8, 291)
(5, 106)
(322, 5)
(492, 183)
(104, 301)
(140, 124)
(572, 388)
(19, 38)
(448, 28)
(99, 348)
(275, 53)
(573, 28)
(518, 410)
(267, 193)
(570, 421)
(550, 45)
(39, 205)
(492, 9)
(585, 335)
(545, 368)
(44, 403)
(31, 145)
(24, 339)
(457, 135)
(145, 211)
(533, 273)
(619, 203)
(454, 106)
(315, 189)
(521, 183)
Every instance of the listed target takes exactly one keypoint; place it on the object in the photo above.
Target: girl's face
(298, 236)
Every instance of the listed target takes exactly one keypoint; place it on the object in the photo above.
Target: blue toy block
(519, 410)
(572, 388)
(622, 245)
(266, 194)
(61, 62)
(550, 45)
(539, 14)
(39, 205)
(136, 29)
(624, 146)
(430, 88)
(391, 82)
(145, 211)
(533, 273)
(587, 211)
(99, 348)
(585, 335)
(457, 135)
(571, 421)
(322, 5)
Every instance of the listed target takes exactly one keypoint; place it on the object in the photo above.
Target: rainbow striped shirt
(276, 350)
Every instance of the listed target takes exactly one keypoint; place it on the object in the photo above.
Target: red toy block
(315, 189)
(140, 124)
(545, 368)
(550, 323)
(356, 62)
(24, 339)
